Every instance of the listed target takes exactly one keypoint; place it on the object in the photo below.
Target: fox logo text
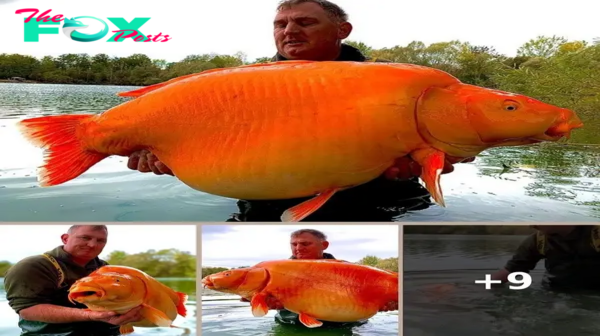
(85, 28)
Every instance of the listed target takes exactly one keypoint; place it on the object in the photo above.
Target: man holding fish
(37, 288)
(308, 244)
(314, 30)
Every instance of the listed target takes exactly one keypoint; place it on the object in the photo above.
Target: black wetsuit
(379, 200)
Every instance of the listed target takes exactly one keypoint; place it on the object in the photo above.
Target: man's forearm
(54, 314)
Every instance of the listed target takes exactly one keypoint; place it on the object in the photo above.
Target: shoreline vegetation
(388, 264)
(488, 230)
(170, 263)
(551, 69)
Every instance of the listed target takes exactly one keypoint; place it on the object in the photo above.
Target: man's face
(85, 242)
(305, 32)
(307, 246)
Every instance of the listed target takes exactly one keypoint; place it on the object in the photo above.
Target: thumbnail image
(285, 280)
(501, 280)
(97, 280)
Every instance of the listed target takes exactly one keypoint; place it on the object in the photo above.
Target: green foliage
(548, 68)
(170, 263)
(4, 266)
(388, 264)
(468, 229)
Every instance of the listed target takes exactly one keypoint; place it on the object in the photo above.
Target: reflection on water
(469, 309)
(553, 182)
(9, 319)
(226, 315)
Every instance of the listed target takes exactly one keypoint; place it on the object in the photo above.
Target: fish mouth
(82, 293)
(207, 283)
(562, 129)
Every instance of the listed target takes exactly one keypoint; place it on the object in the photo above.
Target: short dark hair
(313, 232)
(333, 11)
(94, 228)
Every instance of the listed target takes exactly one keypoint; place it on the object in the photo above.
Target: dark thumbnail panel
(534, 280)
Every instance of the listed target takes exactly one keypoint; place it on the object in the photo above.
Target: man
(37, 288)
(309, 244)
(314, 30)
(571, 253)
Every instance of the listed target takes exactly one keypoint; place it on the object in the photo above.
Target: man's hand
(146, 162)
(272, 303)
(133, 315)
(390, 306)
(405, 168)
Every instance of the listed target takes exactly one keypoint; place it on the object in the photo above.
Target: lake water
(469, 309)
(226, 315)
(554, 182)
(9, 319)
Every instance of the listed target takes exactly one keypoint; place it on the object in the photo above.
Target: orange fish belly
(330, 290)
(289, 131)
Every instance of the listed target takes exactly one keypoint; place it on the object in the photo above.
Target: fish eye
(511, 105)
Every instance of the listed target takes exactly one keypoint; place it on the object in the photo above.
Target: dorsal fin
(142, 91)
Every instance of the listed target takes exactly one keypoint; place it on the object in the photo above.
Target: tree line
(388, 264)
(469, 229)
(170, 263)
(549, 68)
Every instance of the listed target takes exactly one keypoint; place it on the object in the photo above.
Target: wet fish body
(317, 290)
(298, 128)
(120, 289)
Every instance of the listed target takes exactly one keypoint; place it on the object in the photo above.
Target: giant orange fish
(298, 128)
(120, 289)
(316, 290)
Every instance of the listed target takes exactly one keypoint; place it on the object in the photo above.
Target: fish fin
(432, 163)
(306, 208)
(155, 316)
(181, 310)
(65, 156)
(186, 331)
(142, 91)
(126, 329)
(259, 305)
(309, 321)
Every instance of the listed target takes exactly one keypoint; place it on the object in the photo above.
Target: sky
(246, 245)
(230, 26)
(21, 240)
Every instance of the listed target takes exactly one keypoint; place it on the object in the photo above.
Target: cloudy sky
(19, 241)
(242, 245)
(230, 26)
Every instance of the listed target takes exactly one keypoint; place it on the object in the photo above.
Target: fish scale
(327, 290)
(294, 129)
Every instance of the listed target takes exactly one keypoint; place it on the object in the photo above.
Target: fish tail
(65, 155)
(181, 310)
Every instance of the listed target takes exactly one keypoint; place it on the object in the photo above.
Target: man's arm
(30, 285)
(524, 260)
(49, 313)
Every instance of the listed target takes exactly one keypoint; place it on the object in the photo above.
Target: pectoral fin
(155, 316)
(186, 331)
(259, 305)
(306, 208)
(309, 321)
(126, 329)
(432, 164)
